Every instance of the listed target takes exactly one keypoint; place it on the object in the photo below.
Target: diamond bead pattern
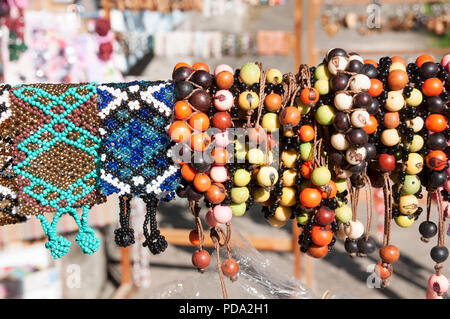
(56, 157)
(134, 150)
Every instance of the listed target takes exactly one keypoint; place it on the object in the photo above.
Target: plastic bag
(258, 278)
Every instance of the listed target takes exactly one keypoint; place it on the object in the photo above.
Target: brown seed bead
(201, 259)
(391, 120)
(389, 254)
(230, 267)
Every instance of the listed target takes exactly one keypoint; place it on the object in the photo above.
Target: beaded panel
(5, 109)
(8, 187)
(56, 146)
(135, 155)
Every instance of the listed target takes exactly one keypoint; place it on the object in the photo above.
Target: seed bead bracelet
(135, 152)
(8, 187)
(318, 191)
(392, 105)
(284, 195)
(190, 129)
(200, 128)
(254, 85)
(432, 79)
(55, 131)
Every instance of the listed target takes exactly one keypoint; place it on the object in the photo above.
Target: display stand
(126, 288)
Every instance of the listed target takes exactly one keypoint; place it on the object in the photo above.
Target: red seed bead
(273, 102)
(309, 96)
(306, 133)
(199, 121)
(290, 116)
(201, 259)
(180, 64)
(397, 79)
(387, 162)
(376, 87)
(202, 182)
(436, 160)
(230, 267)
(389, 254)
(182, 110)
(324, 216)
(310, 197)
(382, 272)
(179, 131)
(317, 251)
(436, 123)
(432, 87)
(187, 172)
(321, 235)
(224, 80)
(424, 58)
(370, 61)
(200, 141)
(398, 59)
(201, 66)
(194, 238)
(221, 120)
(371, 125)
(216, 193)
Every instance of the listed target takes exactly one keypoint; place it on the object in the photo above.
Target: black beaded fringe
(124, 236)
(155, 242)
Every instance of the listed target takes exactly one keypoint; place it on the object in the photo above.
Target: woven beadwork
(8, 187)
(56, 158)
(135, 151)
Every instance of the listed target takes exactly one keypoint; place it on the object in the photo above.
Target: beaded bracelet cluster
(56, 139)
(135, 151)
(345, 124)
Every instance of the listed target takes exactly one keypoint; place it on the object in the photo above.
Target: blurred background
(62, 41)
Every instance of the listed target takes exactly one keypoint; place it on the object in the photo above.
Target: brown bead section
(62, 164)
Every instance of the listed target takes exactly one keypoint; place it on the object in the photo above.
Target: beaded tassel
(124, 236)
(155, 242)
(55, 131)
(58, 245)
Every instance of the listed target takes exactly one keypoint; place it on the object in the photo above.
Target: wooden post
(298, 13)
(106, 8)
(313, 8)
(125, 264)
(126, 288)
(309, 271)
(180, 237)
(296, 251)
(126, 282)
